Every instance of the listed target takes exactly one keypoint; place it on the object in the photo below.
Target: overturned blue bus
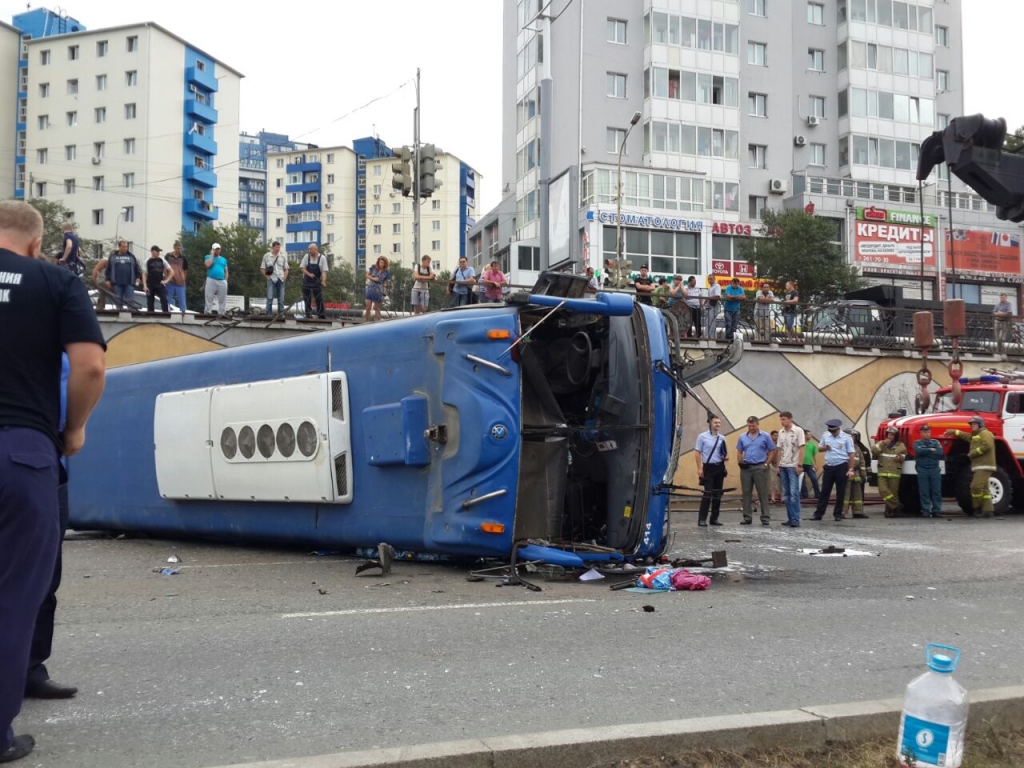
(552, 422)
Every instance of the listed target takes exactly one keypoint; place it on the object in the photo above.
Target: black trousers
(314, 293)
(714, 479)
(154, 293)
(695, 320)
(836, 476)
(42, 637)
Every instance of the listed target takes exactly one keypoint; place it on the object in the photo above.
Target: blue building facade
(199, 177)
(252, 175)
(33, 24)
(304, 192)
(368, 148)
(467, 206)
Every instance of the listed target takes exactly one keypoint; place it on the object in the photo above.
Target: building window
(330, 158)
(44, 57)
(132, 43)
(69, 186)
(815, 13)
(377, 170)
(73, 87)
(44, 90)
(756, 7)
(329, 198)
(616, 85)
(98, 183)
(97, 217)
(42, 155)
(941, 80)
(816, 106)
(72, 53)
(40, 189)
(101, 114)
(942, 122)
(280, 162)
(376, 190)
(376, 229)
(43, 121)
(396, 207)
(757, 104)
(330, 218)
(396, 229)
(101, 82)
(613, 138)
(435, 225)
(330, 178)
(102, 46)
(815, 60)
(435, 245)
(757, 205)
(129, 146)
(72, 118)
(757, 54)
(376, 249)
(99, 149)
(128, 180)
(616, 31)
(758, 155)
(22, 110)
(942, 36)
(817, 155)
(435, 205)
(129, 111)
(396, 247)
(131, 78)
(529, 257)
(129, 213)
(70, 152)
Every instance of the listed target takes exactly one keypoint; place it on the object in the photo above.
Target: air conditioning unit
(376, 195)
(96, 160)
(327, 205)
(813, 120)
(778, 186)
(799, 140)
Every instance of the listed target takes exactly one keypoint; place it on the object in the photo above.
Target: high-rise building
(694, 116)
(252, 175)
(342, 199)
(121, 126)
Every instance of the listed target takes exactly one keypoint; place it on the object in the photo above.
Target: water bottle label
(927, 742)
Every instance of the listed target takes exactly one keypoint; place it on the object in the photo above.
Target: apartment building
(342, 199)
(122, 126)
(742, 105)
(252, 175)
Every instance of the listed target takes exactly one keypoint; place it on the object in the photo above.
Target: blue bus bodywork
(547, 422)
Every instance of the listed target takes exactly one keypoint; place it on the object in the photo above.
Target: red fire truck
(998, 398)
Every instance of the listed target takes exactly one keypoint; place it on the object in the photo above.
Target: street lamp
(618, 207)
(117, 225)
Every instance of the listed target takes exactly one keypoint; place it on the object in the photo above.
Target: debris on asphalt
(733, 541)
(833, 551)
(592, 575)
(170, 571)
(322, 591)
(668, 580)
(718, 559)
(911, 597)
(173, 559)
(648, 609)
(385, 557)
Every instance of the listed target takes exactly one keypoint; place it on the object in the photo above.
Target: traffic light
(401, 172)
(429, 166)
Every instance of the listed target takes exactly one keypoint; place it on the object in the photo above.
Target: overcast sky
(310, 66)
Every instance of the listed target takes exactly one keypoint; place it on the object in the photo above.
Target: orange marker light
(492, 527)
(497, 334)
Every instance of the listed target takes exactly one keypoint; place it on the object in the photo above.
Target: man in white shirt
(693, 300)
(714, 296)
(275, 267)
(789, 460)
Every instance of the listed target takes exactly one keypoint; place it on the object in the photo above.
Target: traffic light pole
(416, 177)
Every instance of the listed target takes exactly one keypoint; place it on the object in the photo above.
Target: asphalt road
(240, 657)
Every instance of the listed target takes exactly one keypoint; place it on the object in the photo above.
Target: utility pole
(416, 176)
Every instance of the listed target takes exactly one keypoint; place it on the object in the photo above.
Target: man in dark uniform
(43, 310)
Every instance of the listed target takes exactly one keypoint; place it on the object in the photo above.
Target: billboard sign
(885, 238)
(982, 250)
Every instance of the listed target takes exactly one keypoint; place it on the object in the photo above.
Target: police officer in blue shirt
(754, 452)
(710, 455)
(840, 459)
(44, 310)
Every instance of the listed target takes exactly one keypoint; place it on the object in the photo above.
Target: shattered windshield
(980, 401)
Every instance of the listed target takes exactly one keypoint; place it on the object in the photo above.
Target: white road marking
(244, 565)
(417, 608)
(831, 534)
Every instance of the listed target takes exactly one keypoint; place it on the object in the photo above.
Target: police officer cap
(976, 420)
(833, 423)
(926, 427)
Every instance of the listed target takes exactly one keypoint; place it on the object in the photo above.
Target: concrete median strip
(582, 748)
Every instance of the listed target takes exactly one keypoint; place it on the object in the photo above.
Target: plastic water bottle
(934, 715)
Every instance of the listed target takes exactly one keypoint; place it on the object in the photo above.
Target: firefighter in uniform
(890, 454)
(855, 506)
(983, 463)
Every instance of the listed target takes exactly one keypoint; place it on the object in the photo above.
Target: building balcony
(312, 186)
(303, 168)
(201, 143)
(303, 226)
(204, 209)
(200, 176)
(202, 78)
(200, 111)
(302, 208)
(296, 247)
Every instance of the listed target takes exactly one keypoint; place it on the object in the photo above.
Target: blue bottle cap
(940, 663)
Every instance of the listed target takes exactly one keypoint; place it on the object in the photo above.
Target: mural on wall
(862, 390)
(143, 343)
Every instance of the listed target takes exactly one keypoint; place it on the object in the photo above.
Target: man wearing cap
(158, 273)
(891, 453)
(927, 455)
(732, 296)
(755, 451)
(983, 463)
(217, 277)
(837, 446)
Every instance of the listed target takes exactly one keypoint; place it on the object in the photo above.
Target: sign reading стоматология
(893, 238)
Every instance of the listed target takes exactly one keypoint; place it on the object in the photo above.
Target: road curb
(583, 748)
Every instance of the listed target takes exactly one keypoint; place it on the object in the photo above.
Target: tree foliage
(799, 246)
(55, 214)
(1014, 141)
